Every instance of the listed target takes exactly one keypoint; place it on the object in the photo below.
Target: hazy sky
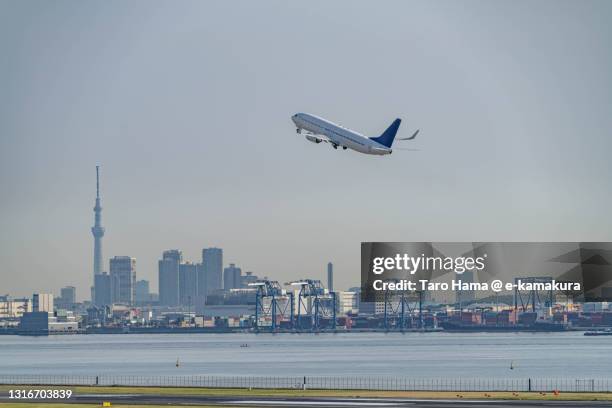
(187, 105)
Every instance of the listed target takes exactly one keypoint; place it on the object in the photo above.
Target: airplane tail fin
(386, 139)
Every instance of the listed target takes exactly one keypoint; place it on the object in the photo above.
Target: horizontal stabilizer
(411, 137)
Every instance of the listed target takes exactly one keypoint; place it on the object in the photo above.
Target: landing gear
(335, 145)
(344, 147)
(298, 130)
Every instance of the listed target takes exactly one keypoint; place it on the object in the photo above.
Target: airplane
(319, 130)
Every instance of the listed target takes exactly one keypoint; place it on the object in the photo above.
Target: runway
(318, 402)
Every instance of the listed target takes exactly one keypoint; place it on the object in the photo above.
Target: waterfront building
(44, 323)
(330, 276)
(34, 322)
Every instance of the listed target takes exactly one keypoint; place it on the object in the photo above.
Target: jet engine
(313, 139)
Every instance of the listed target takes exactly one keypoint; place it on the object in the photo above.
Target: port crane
(314, 301)
(271, 302)
(401, 307)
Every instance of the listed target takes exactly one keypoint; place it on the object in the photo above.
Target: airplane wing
(411, 137)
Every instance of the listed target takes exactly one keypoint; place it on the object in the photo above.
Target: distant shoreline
(208, 330)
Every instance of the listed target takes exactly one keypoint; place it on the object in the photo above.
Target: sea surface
(433, 355)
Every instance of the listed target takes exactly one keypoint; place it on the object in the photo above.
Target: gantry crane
(315, 301)
(272, 301)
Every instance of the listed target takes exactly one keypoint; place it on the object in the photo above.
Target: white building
(14, 308)
(347, 302)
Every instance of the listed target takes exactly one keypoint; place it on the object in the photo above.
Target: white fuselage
(338, 135)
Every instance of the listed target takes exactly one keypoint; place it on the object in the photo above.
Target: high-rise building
(231, 277)
(212, 262)
(330, 276)
(169, 277)
(142, 291)
(103, 294)
(188, 283)
(68, 295)
(97, 230)
(42, 302)
(123, 275)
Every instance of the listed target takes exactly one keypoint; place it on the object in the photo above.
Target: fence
(326, 383)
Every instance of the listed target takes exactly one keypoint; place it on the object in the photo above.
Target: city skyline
(187, 109)
(180, 281)
(106, 279)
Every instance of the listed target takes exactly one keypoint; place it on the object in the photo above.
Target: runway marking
(482, 401)
(327, 403)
